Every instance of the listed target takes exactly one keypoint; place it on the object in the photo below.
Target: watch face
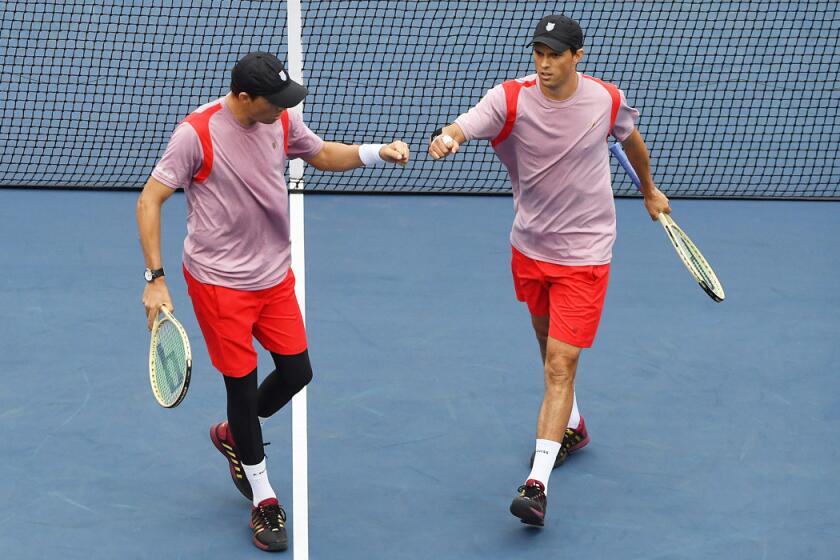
(148, 275)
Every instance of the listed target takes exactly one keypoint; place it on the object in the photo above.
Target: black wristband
(150, 275)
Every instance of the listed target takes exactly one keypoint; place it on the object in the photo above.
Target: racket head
(693, 259)
(170, 360)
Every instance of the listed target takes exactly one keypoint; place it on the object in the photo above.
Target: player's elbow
(319, 163)
(321, 160)
(140, 207)
(633, 139)
(142, 202)
(147, 201)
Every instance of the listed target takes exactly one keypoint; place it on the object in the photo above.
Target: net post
(300, 476)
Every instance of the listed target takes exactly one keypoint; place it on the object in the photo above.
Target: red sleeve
(181, 160)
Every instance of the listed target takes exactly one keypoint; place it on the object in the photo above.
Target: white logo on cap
(282, 75)
(549, 26)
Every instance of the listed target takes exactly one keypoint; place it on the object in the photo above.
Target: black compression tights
(245, 402)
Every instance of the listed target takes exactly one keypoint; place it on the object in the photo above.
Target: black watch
(150, 274)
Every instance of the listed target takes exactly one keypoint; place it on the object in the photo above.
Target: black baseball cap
(260, 73)
(558, 33)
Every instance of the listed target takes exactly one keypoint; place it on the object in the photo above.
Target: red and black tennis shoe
(573, 440)
(268, 522)
(530, 505)
(223, 440)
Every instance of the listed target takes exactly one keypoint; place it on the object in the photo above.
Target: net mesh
(738, 99)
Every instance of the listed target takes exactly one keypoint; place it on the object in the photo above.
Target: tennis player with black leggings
(229, 156)
(550, 129)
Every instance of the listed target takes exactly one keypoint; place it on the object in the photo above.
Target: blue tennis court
(713, 425)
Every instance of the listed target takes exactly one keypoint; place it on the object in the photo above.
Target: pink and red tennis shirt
(238, 214)
(555, 153)
(558, 161)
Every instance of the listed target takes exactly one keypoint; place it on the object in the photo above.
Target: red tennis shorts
(230, 320)
(572, 296)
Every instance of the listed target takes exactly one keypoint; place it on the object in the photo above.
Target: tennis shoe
(530, 505)
(223, 440)
(268, 523)
(573, 440)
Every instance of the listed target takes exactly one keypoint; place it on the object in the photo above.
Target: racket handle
(619, 154)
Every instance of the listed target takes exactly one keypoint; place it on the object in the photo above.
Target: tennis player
(230, 156)
(550, 129)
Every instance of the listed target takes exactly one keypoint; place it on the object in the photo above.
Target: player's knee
(556, 379)
(304, 375)
(559, 371)
(298, 369)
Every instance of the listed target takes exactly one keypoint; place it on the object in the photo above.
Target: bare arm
(637, 152)
(335, 156)
(448, 142)
(156, 294)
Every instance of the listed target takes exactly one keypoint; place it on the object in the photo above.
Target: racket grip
(619, 154)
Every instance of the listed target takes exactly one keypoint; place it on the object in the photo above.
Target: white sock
(544, 457)
(258, 479)
(574, 419)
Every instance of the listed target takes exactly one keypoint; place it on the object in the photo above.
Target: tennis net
(737, 98)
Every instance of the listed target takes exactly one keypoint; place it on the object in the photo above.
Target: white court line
(300, 475)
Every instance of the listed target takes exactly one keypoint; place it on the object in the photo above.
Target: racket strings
(170, 361)
(697, 260)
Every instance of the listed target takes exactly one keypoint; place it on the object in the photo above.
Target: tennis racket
(688, 252)
(170, 360)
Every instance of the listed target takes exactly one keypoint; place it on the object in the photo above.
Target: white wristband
(369, 154)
